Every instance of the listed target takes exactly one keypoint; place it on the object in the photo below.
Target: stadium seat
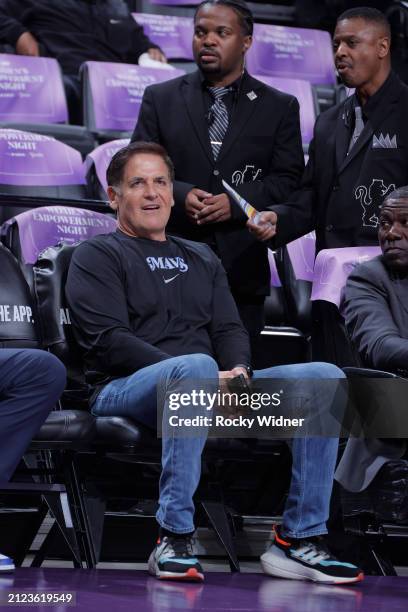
(30, 232)
(32, 98)
(96, 164)
(297, 265)
(37, 165)
(332, 268)
(302, 90)
(280, 342)
(64, 430)
(295, 53)
(112, 95)
(171, 33)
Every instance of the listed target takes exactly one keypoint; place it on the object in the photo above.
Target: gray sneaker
(307, 559)
(173, 559)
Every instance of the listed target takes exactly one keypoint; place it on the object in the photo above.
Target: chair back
(17, 314)
(112, 94)
(33, 164)
(32, 90)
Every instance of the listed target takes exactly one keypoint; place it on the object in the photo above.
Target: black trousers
(252, 316)
(31, 381)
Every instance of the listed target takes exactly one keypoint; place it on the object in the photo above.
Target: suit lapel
(194, 100)
(376, 118)
(242, 113)
(343, 134)
(365, 136)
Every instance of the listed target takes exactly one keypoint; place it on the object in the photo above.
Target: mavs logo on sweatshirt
(167, 263)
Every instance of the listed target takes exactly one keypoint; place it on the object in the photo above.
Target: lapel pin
(252, 95)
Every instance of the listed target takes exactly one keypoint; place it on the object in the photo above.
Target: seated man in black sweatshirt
(152, 310)
(73, 32)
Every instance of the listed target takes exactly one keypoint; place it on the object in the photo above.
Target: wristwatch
(246, 367)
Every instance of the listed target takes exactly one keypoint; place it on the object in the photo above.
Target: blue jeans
(307, 506)
(31, 382)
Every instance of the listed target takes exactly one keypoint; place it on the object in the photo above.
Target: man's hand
(217, 208)
(27, 45)
(222, 374)
(194, 202)
(266, 229)
(157, 55)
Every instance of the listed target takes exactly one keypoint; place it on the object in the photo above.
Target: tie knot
(218, 92)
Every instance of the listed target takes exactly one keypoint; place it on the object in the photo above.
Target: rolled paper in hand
(250, 211)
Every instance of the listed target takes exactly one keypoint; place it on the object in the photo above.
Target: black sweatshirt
(75, 31)
(135, 302)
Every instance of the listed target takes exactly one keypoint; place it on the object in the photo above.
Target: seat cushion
(67, 426)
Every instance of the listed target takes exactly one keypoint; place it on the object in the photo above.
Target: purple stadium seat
(113, 93)
(46, 226)
(302, 256)
(302, 90)
(32, 99)
(96, 164)
(33, 164)
(332, 268)
(31, 90)
(297, 266)
(295, 53)
(172, 33)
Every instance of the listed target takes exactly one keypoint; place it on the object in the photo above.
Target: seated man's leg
(135, 396)
(31, 381)
(297, 552)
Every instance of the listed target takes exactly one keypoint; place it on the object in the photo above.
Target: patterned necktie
(358, 127)
(220, 119)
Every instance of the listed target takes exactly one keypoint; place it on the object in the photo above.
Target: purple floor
(126, 590)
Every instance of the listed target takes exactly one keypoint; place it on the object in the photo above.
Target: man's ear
(112, 195)
(247, 43)
(383, 46)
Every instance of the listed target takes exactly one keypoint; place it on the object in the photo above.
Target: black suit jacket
(261, 157)
(376, 313)
(340, 194)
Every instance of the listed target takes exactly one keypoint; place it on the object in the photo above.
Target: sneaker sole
(309, 574)
(7, 568)
(191, 575)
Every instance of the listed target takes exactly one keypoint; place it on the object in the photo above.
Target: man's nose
(209, 40)
(394, 232)
(340, 51)
(150, 190)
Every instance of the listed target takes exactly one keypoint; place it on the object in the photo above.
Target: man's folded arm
(96, 297)
(229, 337)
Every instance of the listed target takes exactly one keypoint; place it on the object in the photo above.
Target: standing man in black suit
(220, 123)
(359, 153)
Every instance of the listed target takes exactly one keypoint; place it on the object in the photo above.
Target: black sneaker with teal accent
(6, 564)
(307, 559)
(173, 559)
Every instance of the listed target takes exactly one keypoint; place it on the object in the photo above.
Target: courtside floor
(123, 590)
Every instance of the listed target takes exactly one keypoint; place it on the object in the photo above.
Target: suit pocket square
(385, 142)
